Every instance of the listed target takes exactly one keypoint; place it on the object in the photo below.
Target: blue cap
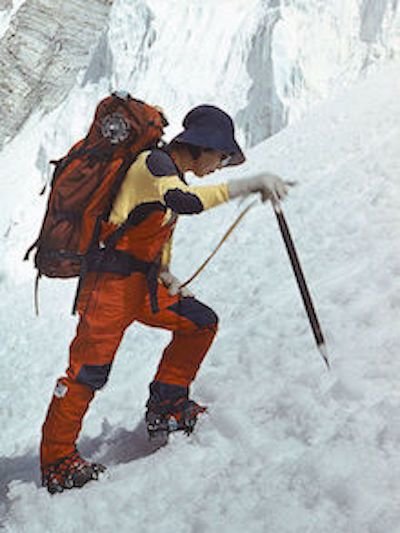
(210, 127)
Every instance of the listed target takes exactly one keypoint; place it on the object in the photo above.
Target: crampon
(70, 472)
(166, 417)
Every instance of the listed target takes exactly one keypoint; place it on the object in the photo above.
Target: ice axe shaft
(301, 282)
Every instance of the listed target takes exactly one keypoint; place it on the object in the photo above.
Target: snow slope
(286, 447)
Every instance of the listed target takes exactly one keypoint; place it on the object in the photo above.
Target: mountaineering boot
(169, 409)
(69, 472)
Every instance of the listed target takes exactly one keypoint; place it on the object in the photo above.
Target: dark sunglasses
(225, 160)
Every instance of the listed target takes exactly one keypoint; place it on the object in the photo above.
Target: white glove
(173, 285)
(270, 186)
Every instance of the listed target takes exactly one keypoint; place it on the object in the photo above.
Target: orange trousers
(107, 305)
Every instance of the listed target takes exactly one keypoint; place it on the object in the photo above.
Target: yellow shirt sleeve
(211, 195)
(141, 186)
(207, 196)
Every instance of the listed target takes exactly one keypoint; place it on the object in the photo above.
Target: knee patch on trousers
(198, 313)
(94, 376)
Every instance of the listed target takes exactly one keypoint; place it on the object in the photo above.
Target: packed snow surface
(286, 446)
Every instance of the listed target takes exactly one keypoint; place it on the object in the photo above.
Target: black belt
(118, 262)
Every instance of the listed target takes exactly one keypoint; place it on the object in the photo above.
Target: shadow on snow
(111, 447)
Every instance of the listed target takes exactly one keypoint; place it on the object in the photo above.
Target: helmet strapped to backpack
(87, 179)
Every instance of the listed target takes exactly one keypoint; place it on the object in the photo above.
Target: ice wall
(46, 45)
(265, 61)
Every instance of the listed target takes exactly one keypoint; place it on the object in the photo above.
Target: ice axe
(305, 293)
(301, 282)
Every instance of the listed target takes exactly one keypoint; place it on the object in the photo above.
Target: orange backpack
(87, 179)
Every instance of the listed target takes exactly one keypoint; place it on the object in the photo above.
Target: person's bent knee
(202, 316)
(213, 319)
(209, 319)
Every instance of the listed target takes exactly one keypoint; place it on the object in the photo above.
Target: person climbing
(133, 282)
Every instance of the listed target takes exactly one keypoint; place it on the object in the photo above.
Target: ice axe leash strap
(301, 282)
(221, 242)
